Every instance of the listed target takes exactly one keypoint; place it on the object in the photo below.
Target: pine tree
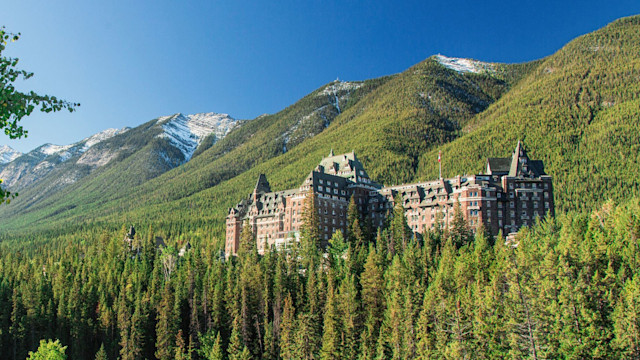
(350, 316)
(182, 353)
(166, 326)
(627, 320)
(372, 283)
(399, 231)
(310, 237)
(236, 346)
(337, 252)
(248, 245)
(211, 346)
(101, 354)
(332, 331)
(459, 232)
(288, 330)
(355, 235)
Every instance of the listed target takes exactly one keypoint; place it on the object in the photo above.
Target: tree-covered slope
(127, 182)
(374, 127)
(389, 121)
(579, 111)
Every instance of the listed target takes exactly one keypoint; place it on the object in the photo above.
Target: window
(320, 181)
(319, 188)
(546, 195)
(546, 204)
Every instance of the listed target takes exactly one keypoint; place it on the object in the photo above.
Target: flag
(438, 156)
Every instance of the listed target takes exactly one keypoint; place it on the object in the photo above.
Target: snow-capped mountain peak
(186, 132)
(103, 135)
(7, 154)
(464, 65)
(50, 149)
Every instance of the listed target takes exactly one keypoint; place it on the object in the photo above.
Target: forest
(565, 288)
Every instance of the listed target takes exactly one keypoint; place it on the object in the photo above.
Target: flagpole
(440, 163)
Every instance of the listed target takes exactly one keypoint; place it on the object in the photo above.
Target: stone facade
(511, 194)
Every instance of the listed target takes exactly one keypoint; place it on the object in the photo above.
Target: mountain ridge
(396, 124)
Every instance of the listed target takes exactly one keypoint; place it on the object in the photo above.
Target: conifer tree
(236, 343)
(351, 322)
(270, 348)
(399, 232)
(166, 326)
(355, 235)
(211, 346)
(332, 330)
(459, 232)
(182, 353)
(372, 299)
(288, 330)
(248, 245)
(101, 354)
(337, 252)
(627, 320)
(149, 246)
(310, 229)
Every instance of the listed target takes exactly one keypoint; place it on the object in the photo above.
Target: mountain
(22, 171)
(578, 111)
(162, 144)
(7, 154)
(569, 109)
(153, 148)
(389, 121)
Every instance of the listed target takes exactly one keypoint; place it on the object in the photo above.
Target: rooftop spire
(262, 186)
(516, 163)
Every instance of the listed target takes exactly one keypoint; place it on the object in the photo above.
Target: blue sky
(128, 62)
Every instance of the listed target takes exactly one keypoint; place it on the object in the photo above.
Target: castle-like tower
(512, 193)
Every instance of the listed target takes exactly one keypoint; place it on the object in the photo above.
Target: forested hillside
(566, 287)
(568, 290)
(579, 112)
(388, 121)
(127, 182)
